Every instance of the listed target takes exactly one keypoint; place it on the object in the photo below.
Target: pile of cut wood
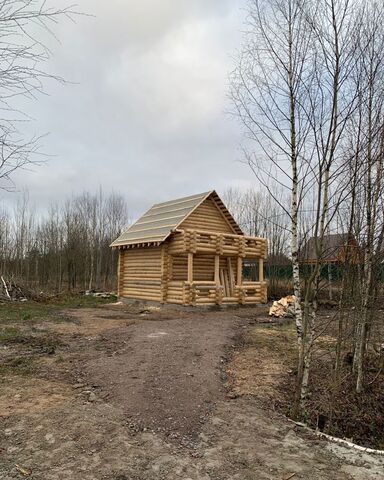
(11, 291)
(94, 293)
(283, 307)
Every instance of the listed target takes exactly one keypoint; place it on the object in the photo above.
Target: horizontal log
(142, 269)
(259, 239)
(129, 278)
(151, 299)
(141, 289)
(142, 276)
(143, 261)
(142, 257)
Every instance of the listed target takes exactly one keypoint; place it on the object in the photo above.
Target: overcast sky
(146, 113)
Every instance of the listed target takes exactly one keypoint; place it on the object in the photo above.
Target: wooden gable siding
(208, 217)
(141, 273)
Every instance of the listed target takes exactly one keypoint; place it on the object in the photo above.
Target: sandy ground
(145, 396)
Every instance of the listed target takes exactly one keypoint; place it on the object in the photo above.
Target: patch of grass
(31, 338)
(30, 313)
(17, 366)
(272, 337)
(11, 335)
(83, 301)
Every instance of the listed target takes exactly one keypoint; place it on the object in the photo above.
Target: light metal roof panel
(159, 221)
(162, 218)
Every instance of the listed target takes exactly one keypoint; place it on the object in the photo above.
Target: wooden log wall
(142, 273)
(203, 267)
(175, 292)
(252, 292)
(180, 267)
(176, 243)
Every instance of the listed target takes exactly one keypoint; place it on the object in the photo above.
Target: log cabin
(190, 251)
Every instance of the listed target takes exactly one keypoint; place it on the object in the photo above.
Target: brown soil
(165, 376)
(128, 395)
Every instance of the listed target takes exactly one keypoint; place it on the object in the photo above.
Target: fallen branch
(340, 441)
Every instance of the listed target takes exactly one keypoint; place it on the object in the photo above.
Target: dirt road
(127, 395)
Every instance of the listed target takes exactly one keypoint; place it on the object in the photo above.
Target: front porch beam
(217, 270)
(261, 270)
(190, 267)
(239, 270)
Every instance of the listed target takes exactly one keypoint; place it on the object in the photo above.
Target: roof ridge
(180, 199)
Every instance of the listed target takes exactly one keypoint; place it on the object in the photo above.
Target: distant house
(338, 249)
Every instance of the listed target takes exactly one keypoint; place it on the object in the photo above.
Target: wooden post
(239, 270)
(261, 270)
(120, 273)
(190, 267)
(164, 273)
(217, 270)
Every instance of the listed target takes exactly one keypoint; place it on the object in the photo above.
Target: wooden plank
(222, 279)
(231, 277)
(225, 281)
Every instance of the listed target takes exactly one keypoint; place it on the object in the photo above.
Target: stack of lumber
(283, 307)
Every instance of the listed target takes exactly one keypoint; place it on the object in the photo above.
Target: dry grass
(261, 367)
(266, 368)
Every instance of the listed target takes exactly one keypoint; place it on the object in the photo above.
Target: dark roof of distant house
(332, 245)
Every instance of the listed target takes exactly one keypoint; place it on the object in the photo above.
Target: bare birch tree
(267, 90)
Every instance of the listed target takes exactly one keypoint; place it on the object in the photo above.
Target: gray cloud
(145, 113)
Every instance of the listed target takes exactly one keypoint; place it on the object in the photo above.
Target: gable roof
(332, 245)
(161, 219)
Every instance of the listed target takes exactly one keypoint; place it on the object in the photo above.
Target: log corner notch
(189, 251)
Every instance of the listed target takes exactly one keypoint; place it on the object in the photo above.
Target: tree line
(66, 249)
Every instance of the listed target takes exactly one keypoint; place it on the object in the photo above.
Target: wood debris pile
(11, 291)
(94, 293)
(283, 307)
